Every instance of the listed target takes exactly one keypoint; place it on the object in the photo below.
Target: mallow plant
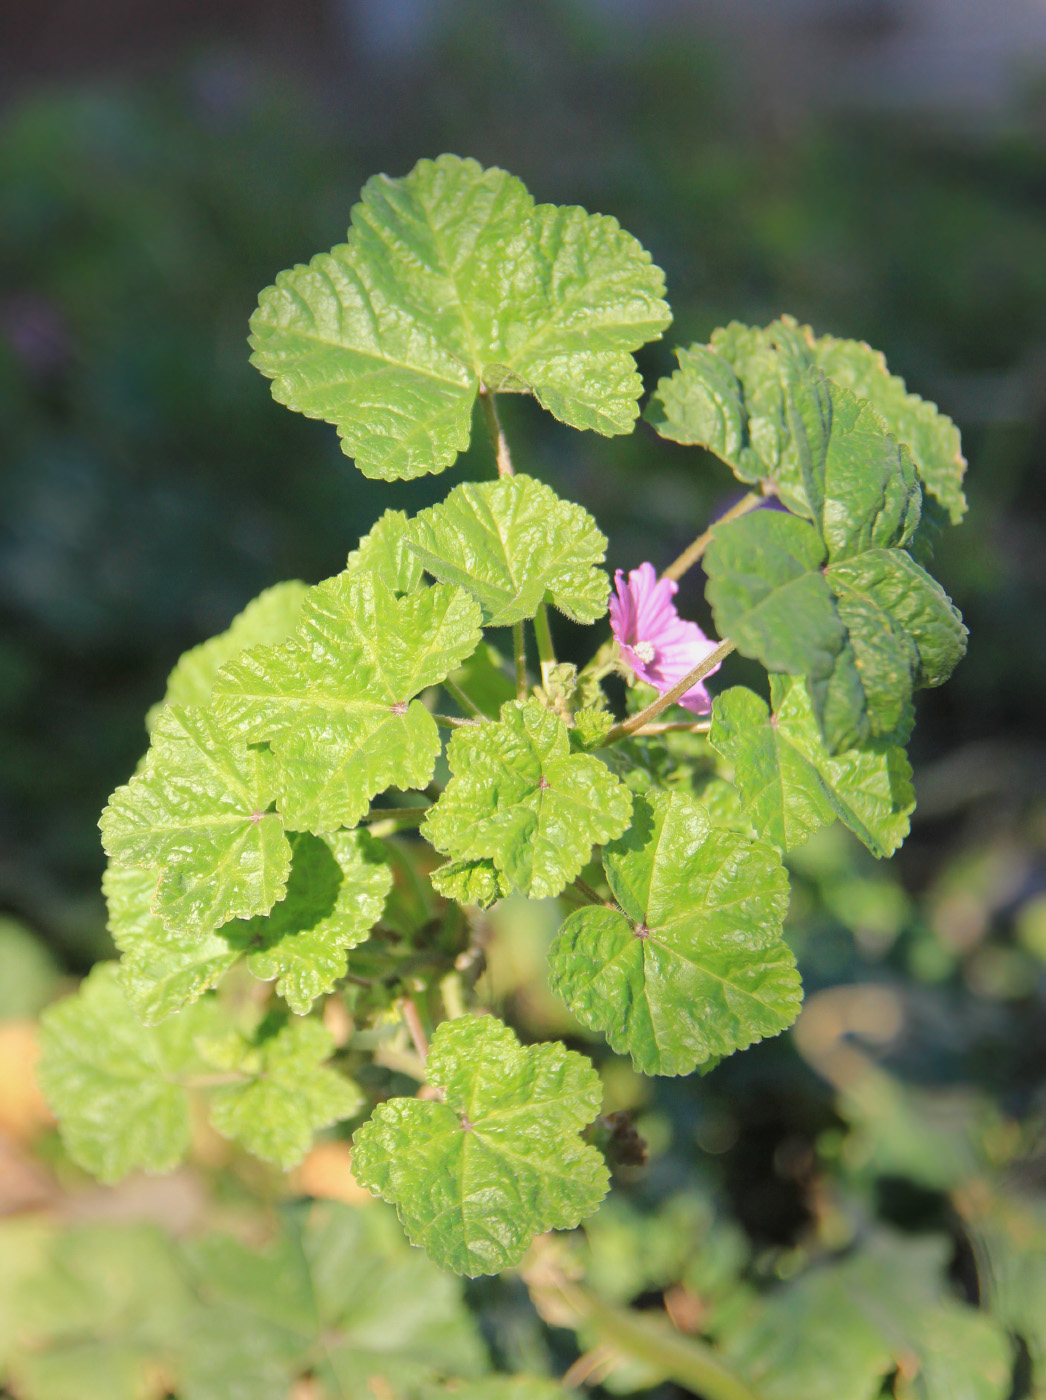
(338, 786)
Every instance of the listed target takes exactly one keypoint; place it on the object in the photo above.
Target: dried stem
(692, 554)
(412, 1020)
(680, 726)
(497, 437)
(702, 669)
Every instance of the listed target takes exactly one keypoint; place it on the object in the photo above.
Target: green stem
(637, 721)
(543, 634)
(463, 700)
(520, 639)
(453, 721)
(497, 437)
(385, 821)
(692, 554)
(688, 1361)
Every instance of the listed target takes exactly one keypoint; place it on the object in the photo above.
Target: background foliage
(151, 487)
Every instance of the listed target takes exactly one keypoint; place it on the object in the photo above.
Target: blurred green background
(843, 160)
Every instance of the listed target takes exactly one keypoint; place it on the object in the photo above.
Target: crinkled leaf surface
(199, 811)
(384, 551)
(339, 1295)
(791, 785)
(838, 599)
(452, 277)
(335, 895)
(267, 619)
(521, 799)
(476, 1176)
(732, 396)
(692, 963)
(511, 541)
(162, 970)
(287, 1093)
(113, 1083)
(470, 882)
(336, 702)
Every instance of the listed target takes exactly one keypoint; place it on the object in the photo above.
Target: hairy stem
(543, 633)
(692, 553)
(520, 639)
(453, 721)
(584, 888)
(412, 1020)
(469, 706)
(634, 722)
(497, 437)
(681, 726)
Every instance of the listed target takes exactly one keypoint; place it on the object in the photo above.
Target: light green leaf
(341, 1296)
(287, 1093)
(199, 810)
(477, 1175)
(383, 551)
(335, 895)
(963, 1355)
(692, 964)
(452, 278)
(31, 972)
(510, 542)
(336, 702)
(790, 784)
(113, 1083)
(470, 882)
(267, 619)
(591, 727)
(930, 436)
(521, 799)
(161, 970)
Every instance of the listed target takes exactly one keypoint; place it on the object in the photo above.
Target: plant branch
(692, 553)
(412, 1020)
(463, 700)
(385, 821)
(680, 726)
(520, 639)
(583, 887)
(637, 721)
(453, 721)
(497, 436)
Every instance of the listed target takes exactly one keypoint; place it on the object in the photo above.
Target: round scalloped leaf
(791, 785)
(336, 702)
(511, 541)
(522, 800)
(450, 278)
(477, 1175)
(692, 964)
(198, 810)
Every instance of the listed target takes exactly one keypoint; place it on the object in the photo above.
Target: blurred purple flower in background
(659, 645)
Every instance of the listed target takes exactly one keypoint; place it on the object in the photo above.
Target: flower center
(646, 651)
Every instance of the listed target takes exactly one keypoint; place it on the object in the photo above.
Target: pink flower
(659, 645)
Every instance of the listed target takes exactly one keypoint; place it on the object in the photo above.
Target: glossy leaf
(509, 543)
(791, 785)
(199, 810)
(451, 278)
(470, 882)
(336, 702)
(475, 1176)
(521, 799)
(691, 964)
(114, 1084)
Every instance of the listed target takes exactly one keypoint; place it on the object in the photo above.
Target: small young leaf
(452, 278)
(161, 970)
(511, 541)
(470, 882)
(521, 799)
(591, 727)
(287, 1093)
(692, 964)
(335, 895)
(271, 616)
(113, 1083)
(475, 1177)
(791, 785)
(336, 702)
(199, 810)
(383, 551)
